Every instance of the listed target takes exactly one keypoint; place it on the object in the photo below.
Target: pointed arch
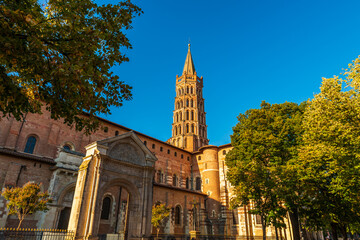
(187, 115)
(187, 102)
(192, 115)
(187, 128)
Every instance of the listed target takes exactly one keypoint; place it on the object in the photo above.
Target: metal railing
(187, 237)
(35, 234)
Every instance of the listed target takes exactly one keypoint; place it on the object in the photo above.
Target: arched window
(174, 180)
(116, 133)
(187, 183)
(192, 90)
(181, 103)
(187, 115)
(187, 128)
(192, 128)
(192, 115)
(192, 103)
(187, 102)
(176, 130)
(198, 183)
(177, 117)
(187, 89)
(224, 152)
(105, 211)
(180, 116)
(179, 129)
(67, 147)
(177, 215)
(30, 145)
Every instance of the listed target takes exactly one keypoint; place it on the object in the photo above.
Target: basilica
(106, 183)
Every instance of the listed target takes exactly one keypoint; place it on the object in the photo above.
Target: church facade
(107, 182)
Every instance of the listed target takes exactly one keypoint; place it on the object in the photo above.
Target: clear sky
(246, 50)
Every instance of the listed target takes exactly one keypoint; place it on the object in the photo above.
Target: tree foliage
(260, 167)
(159, 213)
(330, 159)
(59, 55)
(26, 200)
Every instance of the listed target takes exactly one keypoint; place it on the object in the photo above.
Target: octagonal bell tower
(189, 129)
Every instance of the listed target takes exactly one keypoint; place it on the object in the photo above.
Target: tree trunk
(157, 233)
(20, 221)
(334, 231)
(294, 218)
(276, 233)
(343, 231)
(263, 227)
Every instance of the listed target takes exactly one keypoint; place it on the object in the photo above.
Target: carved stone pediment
(126, 152)
(126, 148)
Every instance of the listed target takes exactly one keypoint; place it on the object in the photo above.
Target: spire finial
(189, 67)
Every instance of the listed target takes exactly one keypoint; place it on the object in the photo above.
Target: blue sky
(247, 51)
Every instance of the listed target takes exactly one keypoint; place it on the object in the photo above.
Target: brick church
(107, 182)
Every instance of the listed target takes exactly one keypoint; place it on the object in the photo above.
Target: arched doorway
(114, 189)
(65, 203)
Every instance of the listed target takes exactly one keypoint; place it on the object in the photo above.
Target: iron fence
(35, 234)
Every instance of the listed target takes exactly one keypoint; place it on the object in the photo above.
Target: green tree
(26, 200)
(159, 213)
(260, 165)
(330, 158)
(58, 56)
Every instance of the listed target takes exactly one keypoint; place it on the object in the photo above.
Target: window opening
(105, 211)
(30, 145)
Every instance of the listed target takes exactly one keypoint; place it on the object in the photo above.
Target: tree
(159, 213)
(330, 158)
(58, 56)
(26, 200)
(260, 165)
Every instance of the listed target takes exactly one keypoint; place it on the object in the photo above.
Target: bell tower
(189, 130)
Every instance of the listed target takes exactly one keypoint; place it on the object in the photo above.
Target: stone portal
(113, 192)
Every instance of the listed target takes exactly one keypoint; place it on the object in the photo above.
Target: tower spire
(189, 67)
(189, 129)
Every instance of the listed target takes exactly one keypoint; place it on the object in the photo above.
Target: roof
(189, 67)
(178, 189)
(29, 156)
(139, 133)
